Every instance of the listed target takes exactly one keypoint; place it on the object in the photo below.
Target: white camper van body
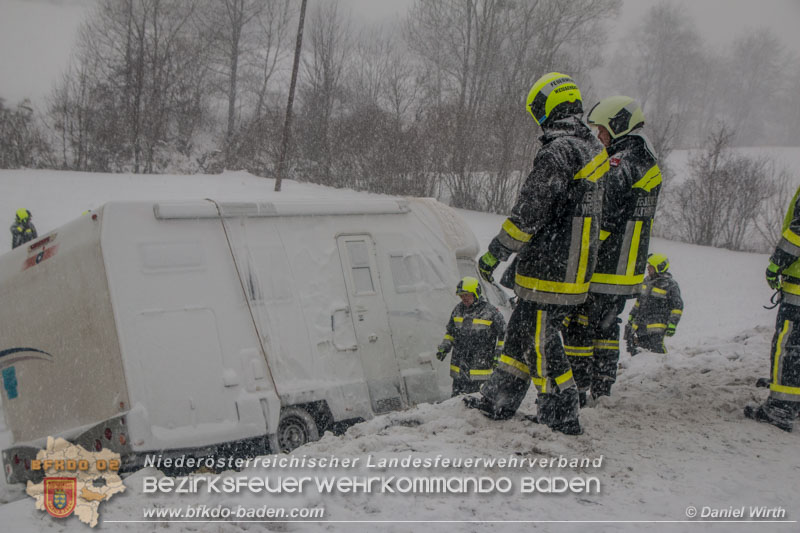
(197, 325)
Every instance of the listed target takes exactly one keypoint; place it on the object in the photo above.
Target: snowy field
(671, 437)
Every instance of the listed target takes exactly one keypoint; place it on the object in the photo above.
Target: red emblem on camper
(38, 257)
(60, 495)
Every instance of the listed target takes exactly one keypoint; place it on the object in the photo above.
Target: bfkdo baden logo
(76, 480)
(60, 495)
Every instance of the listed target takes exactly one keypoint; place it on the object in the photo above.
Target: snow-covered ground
(671, 436)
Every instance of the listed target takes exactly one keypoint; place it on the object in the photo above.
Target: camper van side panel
(61, 361)
(196, 372)
(419, 280)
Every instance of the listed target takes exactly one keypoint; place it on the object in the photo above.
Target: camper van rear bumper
(18, 460)
(111, 434)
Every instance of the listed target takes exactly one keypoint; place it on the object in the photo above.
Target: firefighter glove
(773, 276)
(486, 265)
(441, 353)
(628, 334)
(670, 330)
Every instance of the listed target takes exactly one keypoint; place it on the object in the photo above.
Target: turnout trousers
(591, 342)
(783, 403)
(533, 352)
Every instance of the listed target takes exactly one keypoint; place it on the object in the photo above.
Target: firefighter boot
(774, 412)
(560, 411)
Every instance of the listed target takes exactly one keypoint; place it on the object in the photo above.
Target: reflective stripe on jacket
(555, 223)
(631, 189)
(474, 333)
(659, 304)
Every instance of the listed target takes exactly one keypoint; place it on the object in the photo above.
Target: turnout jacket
(631, 188)
(787, 253)
(22, 233)
(474, 333)
(555, 223)
(659, 304)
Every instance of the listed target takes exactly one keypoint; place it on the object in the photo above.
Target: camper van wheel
(296, 428)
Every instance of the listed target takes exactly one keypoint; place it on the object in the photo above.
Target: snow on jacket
(631, 188)
(555, 223)
(22, 233)
(659, 304)
(787, 253)
(474, 333)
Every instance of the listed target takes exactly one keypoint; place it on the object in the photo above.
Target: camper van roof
(212, 209)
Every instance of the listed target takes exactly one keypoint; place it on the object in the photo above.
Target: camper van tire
(296, 428)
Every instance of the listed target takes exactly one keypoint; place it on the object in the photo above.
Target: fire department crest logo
(76, 481)
(60, 495)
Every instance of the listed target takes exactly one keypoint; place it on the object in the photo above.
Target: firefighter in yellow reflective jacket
(475, 334)
(783, 273)
(22, 230)
(553, 228)
(658, 309)
(630, 194)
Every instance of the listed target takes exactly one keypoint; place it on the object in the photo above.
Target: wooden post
(288, 124)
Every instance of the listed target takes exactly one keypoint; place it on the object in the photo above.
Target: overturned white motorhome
(207, 327)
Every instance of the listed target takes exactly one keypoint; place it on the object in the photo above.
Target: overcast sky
(36, 36)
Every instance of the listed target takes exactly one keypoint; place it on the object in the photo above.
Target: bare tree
(663, 66)
(720, 204)
(756, 67)
(769, 221)
(481, 57)
(21, 141)
(329, 43)
(229, 24)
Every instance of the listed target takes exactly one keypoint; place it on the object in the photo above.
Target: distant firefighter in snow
(475, 334)
(658, 309)
(22, 230)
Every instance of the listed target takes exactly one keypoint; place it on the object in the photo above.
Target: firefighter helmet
(23, 214)
(659, 262)
(469, 285)
(618, 114)
(553, 93)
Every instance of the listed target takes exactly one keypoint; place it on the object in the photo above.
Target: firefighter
(631, 187)
(657, 310)
(22, 230)
(783, 274)
(475, 334)
(553, 228)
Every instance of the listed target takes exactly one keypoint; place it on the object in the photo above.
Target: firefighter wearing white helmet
(475, 333)
(553, 228)
(631, 189)
(657, 310)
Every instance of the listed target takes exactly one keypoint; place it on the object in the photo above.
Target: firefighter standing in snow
(631, 187)
(22, 230)
(553, 228)
(658, 309)
(475, 334)
(783, 273)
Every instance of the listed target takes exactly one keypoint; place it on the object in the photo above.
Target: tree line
(431, 105)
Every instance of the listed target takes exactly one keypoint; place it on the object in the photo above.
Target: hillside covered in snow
(670, 439)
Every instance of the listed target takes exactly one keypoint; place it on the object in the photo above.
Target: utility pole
(288, 124)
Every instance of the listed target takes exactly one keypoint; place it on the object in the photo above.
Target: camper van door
(368, 312)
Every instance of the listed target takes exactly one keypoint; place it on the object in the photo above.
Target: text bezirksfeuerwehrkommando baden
(371, 461)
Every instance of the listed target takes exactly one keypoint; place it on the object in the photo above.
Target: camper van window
(404, 275)
(434, 272)
(413, 273)
(359, 263)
